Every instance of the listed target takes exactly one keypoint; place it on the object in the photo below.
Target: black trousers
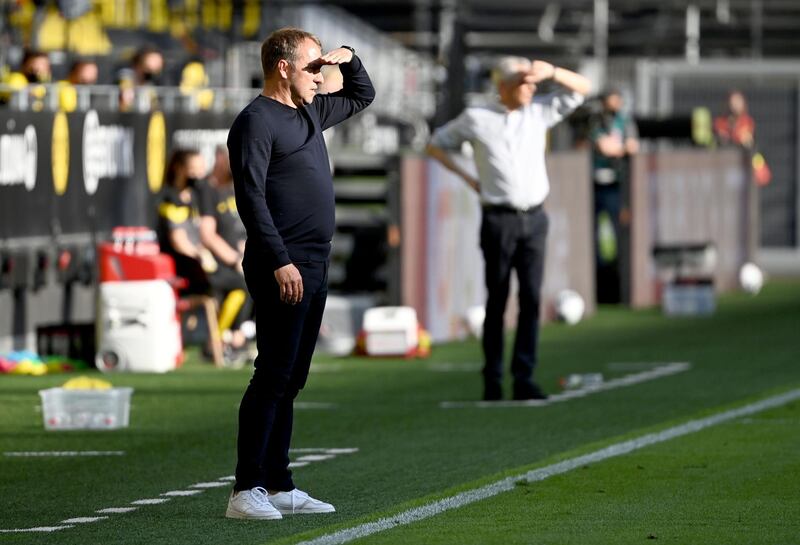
(286, 337)
(512, 240)
(608, 202)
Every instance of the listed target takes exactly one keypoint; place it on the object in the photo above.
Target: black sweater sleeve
(356, 94)
(250, 148)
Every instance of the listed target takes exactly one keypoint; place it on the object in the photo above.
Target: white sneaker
(251, 504)
(297, 502)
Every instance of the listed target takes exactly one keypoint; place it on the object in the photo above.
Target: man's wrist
(352, 50)
(555, 72)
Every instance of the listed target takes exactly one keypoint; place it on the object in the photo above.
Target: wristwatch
(352, 50)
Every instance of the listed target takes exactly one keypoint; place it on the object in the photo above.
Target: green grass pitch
(735, 482)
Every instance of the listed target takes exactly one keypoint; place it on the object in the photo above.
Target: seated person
(82, 72)
(33, 73)
(179, 236)
(222, 232)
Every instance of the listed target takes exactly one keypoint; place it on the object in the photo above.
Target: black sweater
(281, 173)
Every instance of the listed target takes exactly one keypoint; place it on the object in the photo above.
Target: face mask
(34, 78)
(191, 181)
(151, 78)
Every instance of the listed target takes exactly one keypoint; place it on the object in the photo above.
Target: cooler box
(391, 331)
(341, 322)
(689, 298)
(66, 409)
(137, 327)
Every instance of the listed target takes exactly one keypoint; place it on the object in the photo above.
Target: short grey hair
(508, 67)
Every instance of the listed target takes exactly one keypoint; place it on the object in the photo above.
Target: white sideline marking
(172, 493)
(212, 484)
(43, 453)
(308, 405)
(313, 405)
(197, 488)
(446, 367)
(632, 365)
(627, 380)
(116, 510)
(325, 368)
(509, 483)
(37, 529)
(315, 457)
(150, 501)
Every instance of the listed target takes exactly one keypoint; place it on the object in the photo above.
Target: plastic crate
(66, 409)
(686, 299)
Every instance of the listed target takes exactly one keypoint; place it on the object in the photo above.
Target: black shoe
(492, 392)
(528, 391)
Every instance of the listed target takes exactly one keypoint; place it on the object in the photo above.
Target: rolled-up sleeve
(451, 135)
(557, 106)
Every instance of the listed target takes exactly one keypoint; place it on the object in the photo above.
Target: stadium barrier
(688, 197)
(65, 181)
(442, 273)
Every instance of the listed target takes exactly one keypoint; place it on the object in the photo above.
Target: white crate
(67, 409)
(688, 299)
(391, 331)
(137, 330)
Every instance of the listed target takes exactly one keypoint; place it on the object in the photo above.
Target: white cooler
(391, 331)
(137, 327)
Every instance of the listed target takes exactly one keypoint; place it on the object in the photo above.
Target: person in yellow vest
(82, 72)
(145, 73)
(222, 232)
(179, 222)
(34, 72)
(194, 84)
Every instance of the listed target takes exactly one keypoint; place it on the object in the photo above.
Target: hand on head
(340, 55)
(540, 71)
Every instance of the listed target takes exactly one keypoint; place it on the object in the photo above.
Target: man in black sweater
(284, 193)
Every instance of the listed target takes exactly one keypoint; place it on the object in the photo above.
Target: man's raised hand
(340, 55)
(541, 71)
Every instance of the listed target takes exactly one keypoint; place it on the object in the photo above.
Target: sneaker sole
(244, 516)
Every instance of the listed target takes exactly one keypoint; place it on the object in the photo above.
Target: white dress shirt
(509, 146)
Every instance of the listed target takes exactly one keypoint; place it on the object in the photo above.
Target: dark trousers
(286, 337)
(607, 206)
(511, 239)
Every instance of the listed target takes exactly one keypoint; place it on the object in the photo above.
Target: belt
(508, 209)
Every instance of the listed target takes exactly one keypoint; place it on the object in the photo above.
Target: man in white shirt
(508, 139)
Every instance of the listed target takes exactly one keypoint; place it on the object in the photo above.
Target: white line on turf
(315, 457)
(36, 529)
(116, 510)
(310, 405)
(632, 365)
(509, 483)
(82, 520)
(447, 367)
(179, 493)
(64, 453)
(627, 380)
(313, 405)
(197, 488)
(150, 501)
(325, 368)
(212, 484)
